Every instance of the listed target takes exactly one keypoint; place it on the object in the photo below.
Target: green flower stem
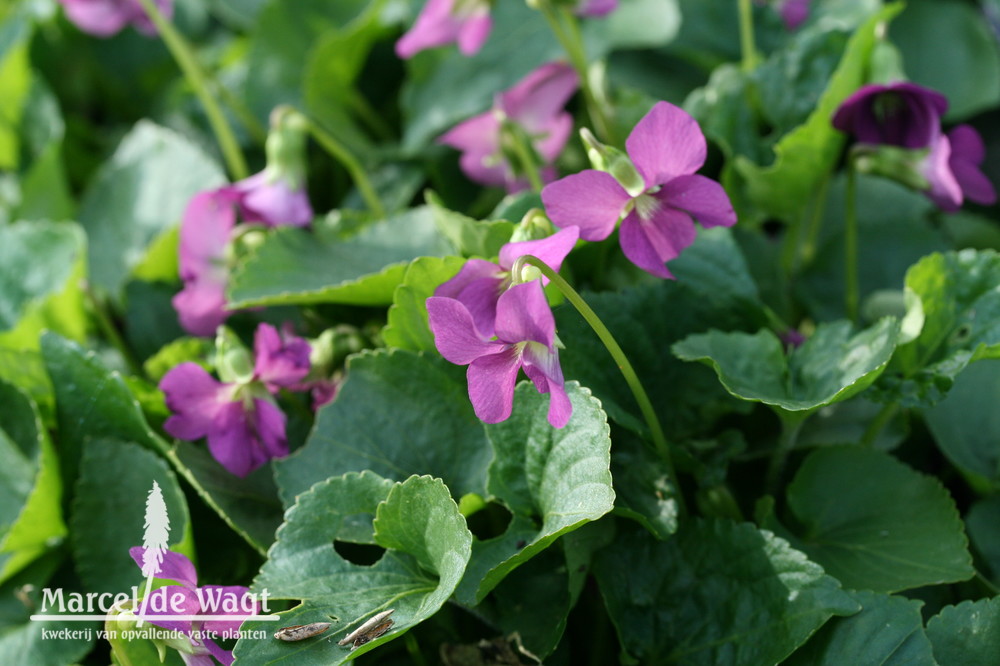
(349, 162)
(791, 426)
(885, 415)
(987, 583)
(99, 310)
(645, 406)
(526, 158)
(815, 223)
(747, 47)
(851, 247)
(184, 56)
(571, 39)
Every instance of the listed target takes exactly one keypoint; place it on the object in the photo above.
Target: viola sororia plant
(480, 332)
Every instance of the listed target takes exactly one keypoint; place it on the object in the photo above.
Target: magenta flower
(666, 147)
(596, 7)
(243, 425)
(232, 600)
(952, 170)
(206, 231)
(442, 22)
(535, 107)
(794, 12)
(104, 18)
(525, 338)
(480, 283)
(895, 114)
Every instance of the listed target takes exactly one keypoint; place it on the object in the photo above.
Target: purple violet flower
(441, 22)
(480, 283)
(666, 147)
(535, 106)
(193, 600)
(896, 114)
(525, 338)
(206, 230)
(243, 425)
(596, 7)
(104, 18)
(794, 12)
(952, 170)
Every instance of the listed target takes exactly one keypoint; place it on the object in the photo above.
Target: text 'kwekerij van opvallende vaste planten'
(499, 332)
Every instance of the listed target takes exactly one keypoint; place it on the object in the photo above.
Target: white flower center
(646, 206)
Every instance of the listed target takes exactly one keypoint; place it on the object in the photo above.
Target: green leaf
(961, 306)
(972, 51)
(472, 238)
(138, 194)
(806, 155)
(714, 290)
(407, 326)
(642, 486)
(30, 489)
(981, 522)
(875, 523)
(15, 84)
(296, 266)
(552, 480)
(45, 193)
(714, 593)
(966, 424)
(888, 631)
(427, 544)
(26, 370)
(432, 429)
(966, 634)
(24, 642)
(41, 266)
(830, 366)
(109, 508)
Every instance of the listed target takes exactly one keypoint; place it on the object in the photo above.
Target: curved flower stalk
(104, 18)
(480, 283)
(188, 599)
(526, 126)
(240, 418)
(898, 131)
(274, 197)
(654, 191)
(525, 338)
(465, 22)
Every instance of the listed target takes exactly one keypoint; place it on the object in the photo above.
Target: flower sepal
(232, 358)
(613, 161)
(286, 147)
(899, 164)
(533, 226)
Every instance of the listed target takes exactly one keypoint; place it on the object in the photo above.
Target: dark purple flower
(535, 106)
(666, 148)
(281, 360)
(794, 12)
(480, 283)
(596, 7)
(951, 168)
(525, 338)
(104, 18)
(210, 600)
(895, 114)
(441, 22)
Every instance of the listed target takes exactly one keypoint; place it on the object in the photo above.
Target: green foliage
(876, 524)
(966, 634)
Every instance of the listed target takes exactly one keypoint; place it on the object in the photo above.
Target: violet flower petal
(702, 197)
(206, 227)
(101, 18)
(202, 659)
(175, 566)
(280, 361)
(794, 13)
(242, 442)
(967, 153)
(666, 143)
(436, 25)
(271, 201)
(201, 306)
(168, 602)
(596, 7)
(478, 139)
(551, 138)
(195, 398)
(224, 657)
(649, 244)
(474, 31)
(523, 314)
(943, 189)
(591, 200)
(543, 369)
(540, 96)
(898, 114)
(551, 250)
(455, 333)
(491, 384)
(477, 286)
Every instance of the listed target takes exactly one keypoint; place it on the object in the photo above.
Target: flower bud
(533, 226)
